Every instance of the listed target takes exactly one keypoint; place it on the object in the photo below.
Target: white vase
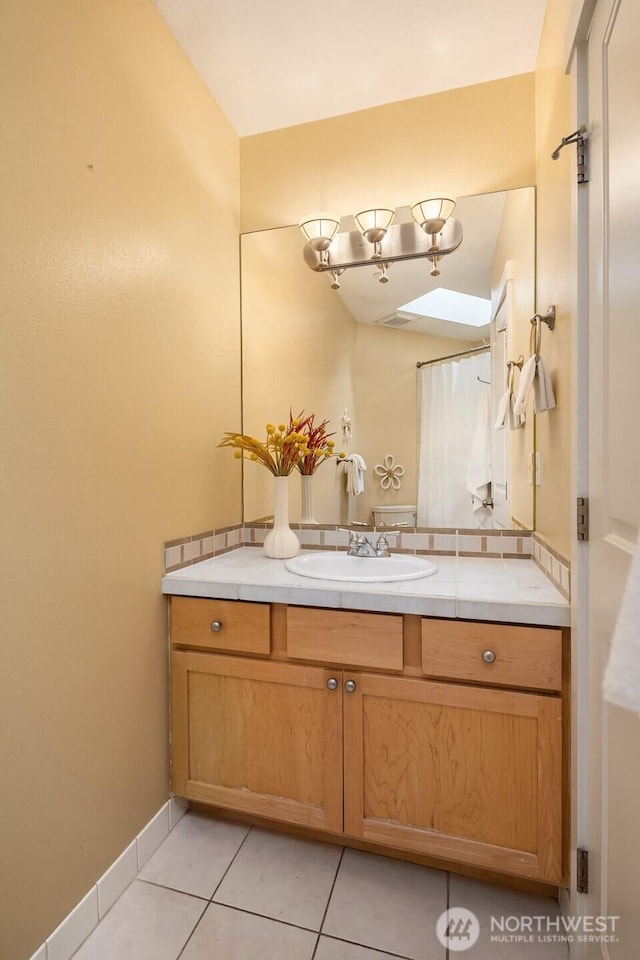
(281, 542)
(306, 482)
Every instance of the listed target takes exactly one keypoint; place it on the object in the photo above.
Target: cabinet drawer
(492, 653)
(342, 637)
(243, 627)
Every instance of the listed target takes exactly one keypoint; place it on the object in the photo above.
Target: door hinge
(582, 871)
(582, 518)
(580, 139)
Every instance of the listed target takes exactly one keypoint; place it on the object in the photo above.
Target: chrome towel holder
(536, 322)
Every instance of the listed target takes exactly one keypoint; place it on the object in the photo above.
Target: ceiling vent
(397, 319)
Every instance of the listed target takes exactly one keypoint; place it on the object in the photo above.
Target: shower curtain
(449, 395)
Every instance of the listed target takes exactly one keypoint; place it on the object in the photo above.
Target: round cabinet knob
(488, 656)
(332, 683)
(216, 626)
(350, 686)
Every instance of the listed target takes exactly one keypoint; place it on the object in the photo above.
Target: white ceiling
(275, 63)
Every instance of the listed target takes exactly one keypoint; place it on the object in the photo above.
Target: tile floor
(218, 890)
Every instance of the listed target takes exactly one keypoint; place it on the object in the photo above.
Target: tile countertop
(467, 588)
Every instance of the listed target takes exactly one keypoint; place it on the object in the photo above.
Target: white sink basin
(340, 566)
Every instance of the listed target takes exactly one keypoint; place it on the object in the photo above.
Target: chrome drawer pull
(488, 656)
(216, 626)
(332, 683)
(350, 686)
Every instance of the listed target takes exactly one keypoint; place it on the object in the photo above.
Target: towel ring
(519, 363)
(550, 319)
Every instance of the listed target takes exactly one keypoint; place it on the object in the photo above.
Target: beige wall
(120, 353)
(554, 180)
(475, 139)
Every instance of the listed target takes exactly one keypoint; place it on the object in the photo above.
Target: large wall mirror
(353, 353)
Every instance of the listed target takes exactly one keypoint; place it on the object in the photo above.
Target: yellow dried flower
(237, 454)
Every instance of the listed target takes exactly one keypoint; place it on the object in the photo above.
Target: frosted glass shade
(319, 230)
(373, 224)
(432, 215)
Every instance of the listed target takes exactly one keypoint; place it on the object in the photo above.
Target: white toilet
(390, 515)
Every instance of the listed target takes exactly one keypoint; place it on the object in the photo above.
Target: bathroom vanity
(378, 714)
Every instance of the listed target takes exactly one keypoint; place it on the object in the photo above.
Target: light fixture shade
(432, 215)
(374, 223)
(319, 229)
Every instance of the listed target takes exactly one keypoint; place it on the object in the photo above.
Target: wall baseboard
(85, 916)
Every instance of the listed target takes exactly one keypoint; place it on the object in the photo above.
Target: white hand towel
(479, 469)
(534, 375)
(504, 411)
(622, 675)
(525, 383)
(543, 398)
(358, 466)
(353, 468)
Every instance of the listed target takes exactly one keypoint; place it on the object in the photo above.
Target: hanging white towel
(534, 375)
(527, 376)
(622, 675)
(543, 397)
(479, 469)
(353, 468)
(506, 417)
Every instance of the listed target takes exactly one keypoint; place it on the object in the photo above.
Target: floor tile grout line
(195, 927)
(326, 909)
(367, 946)
(261, 916)
(165, 886)
(230, 864)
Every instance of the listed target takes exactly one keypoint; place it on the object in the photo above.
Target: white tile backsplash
(172, 556)
(191, 550)
(207, 546)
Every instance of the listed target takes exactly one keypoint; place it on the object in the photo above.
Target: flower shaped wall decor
(390, 473)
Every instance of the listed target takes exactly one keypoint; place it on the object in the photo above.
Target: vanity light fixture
(428, 231)
(319, 230)
(373, 225)
(431, 215)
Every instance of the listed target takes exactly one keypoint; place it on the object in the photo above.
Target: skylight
(450, 305)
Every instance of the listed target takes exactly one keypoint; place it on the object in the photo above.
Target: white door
(609, 809)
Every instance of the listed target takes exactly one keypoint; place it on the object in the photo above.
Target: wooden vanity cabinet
(468, 769)
(466, 774)
(259, 737)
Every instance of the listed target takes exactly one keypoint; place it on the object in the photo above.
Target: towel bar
(550, 319)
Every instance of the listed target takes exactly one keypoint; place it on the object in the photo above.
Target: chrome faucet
(361, 546)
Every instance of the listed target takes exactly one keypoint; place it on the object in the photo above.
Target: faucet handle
(353, 536)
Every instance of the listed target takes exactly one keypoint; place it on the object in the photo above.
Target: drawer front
(496, 654)
(346, 638)
(226, 625)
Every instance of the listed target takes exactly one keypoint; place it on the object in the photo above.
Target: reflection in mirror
(353, 355)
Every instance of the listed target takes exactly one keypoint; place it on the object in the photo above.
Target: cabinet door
(259, 737)
(463, 773)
